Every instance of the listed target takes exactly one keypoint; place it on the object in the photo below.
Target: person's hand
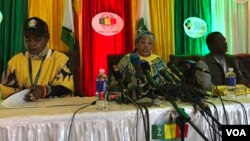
(36, 92)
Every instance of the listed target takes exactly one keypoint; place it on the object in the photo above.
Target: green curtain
(11, 31)
(183, 10)
(232, 19)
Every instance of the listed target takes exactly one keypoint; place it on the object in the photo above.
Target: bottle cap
(231, 69)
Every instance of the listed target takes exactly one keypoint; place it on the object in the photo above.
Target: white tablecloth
(119, 123)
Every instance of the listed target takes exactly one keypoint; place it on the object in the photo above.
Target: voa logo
(236, 132)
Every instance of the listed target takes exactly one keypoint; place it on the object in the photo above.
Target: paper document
(16, 100)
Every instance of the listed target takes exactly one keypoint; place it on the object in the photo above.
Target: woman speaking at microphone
(130, 66)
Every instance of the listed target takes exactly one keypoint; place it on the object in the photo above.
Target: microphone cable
(223, 106)
(137, 111)
(144, 118)
(212, 125)
(124, 92)
(216, 110)
(243, 109)
(195, 100)
(147, 122)
(181, 112)
(205, 111)
(71, 123)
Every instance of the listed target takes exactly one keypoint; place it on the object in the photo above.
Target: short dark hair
(211, 36)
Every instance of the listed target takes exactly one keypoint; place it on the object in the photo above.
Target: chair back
(74, 66)
(243, 60)
(113, 59)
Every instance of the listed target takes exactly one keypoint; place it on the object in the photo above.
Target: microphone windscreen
(116, 73)
(134, 58)
(145, 66)
(146, 71)
(174, 68)
(167, 76)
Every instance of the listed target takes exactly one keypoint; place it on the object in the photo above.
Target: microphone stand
(210, 115)
(198, 102)
(180, 111)
(181, 123)
(203, 107)
(184, 116)
(124, 95)
(146, 126)
(137, 88)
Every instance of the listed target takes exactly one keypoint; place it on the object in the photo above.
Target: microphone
(175, 69)
(118, 76)
(175, 78)
(184, 116)
(201, 91)
(193, 66)
(197, 99)
(124, 97)
(167, 76)
(135, 60)
(147, 72)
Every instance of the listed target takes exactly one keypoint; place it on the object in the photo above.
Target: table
(51, 122)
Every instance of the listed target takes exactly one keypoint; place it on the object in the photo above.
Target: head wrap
(35, 26)
(142, 30)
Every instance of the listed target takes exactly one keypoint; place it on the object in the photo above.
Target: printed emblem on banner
(166, 127)
(107, 23)
(195, 27)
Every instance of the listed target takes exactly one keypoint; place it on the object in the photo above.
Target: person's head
(216, 43)
(144, 43)
(36, 35)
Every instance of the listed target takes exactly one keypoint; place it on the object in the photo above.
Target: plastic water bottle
(230, 83)
(101, 90)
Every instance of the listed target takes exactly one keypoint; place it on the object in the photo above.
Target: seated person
(42, 70)
(143, 49)
(216, 63)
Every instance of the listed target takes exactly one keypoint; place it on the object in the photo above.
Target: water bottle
(101, 90)
(230, 83)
